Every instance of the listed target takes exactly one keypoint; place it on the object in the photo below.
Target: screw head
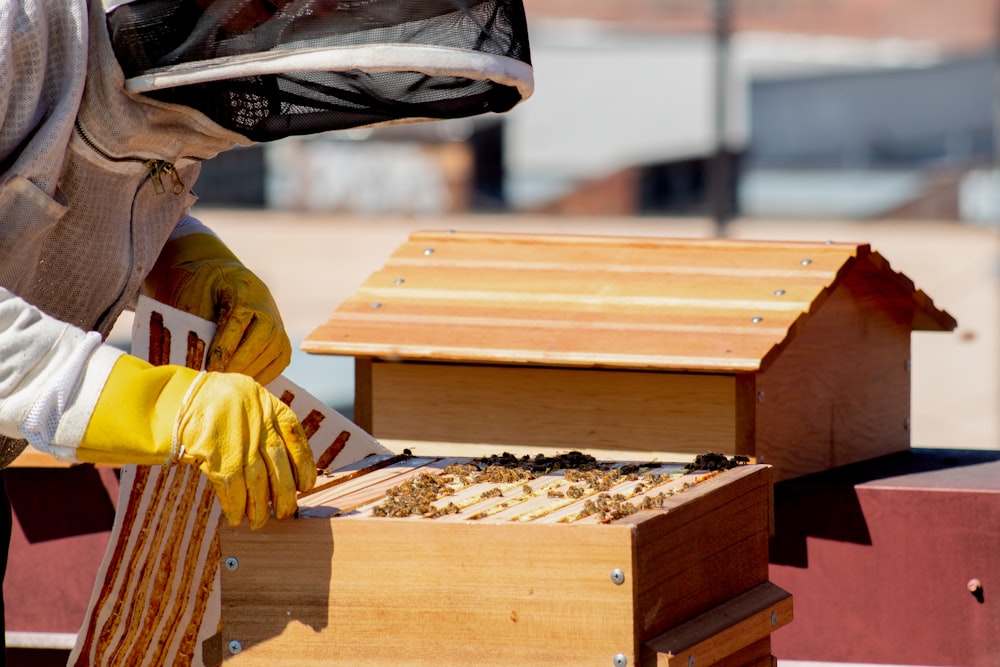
(232, 564)
(620, 660)
(779, 292)
(398, 281)
(376, 305)
(690, 661)
(806, 262)
(235, 647)
(428, 251)
(774, 618)
(756, 319)
(617, 576)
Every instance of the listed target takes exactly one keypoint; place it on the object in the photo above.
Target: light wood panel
(547, 407)
(390, 592)
(830, 399)
(715, 540)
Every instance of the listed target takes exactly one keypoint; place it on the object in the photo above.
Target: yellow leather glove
(199, 274)
(249, 444)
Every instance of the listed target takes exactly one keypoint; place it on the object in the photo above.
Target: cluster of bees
(715, 462)
(416, 496)
(585, 475)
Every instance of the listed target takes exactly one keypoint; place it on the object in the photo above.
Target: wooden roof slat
(614, 316)
(631, 254)
(436, 283)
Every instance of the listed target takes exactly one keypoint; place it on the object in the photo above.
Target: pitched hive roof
(604, 302)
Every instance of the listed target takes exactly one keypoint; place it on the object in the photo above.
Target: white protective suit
(95, 168)
(87, 200)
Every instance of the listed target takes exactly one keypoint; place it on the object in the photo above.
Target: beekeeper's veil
(273, 68)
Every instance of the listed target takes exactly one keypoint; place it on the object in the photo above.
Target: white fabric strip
(40, 423)
(430, 60)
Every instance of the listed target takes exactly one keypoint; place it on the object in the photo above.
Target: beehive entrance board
(526, 577)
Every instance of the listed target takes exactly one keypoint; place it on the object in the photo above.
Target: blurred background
(870, 121)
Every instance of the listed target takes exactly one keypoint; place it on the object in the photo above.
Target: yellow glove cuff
(135, 415)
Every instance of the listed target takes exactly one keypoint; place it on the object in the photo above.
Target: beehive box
(521, 574)
(794, 354)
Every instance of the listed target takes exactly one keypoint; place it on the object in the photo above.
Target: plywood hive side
(709, 548)
(839, 391)
(393, 591)
(561, 408)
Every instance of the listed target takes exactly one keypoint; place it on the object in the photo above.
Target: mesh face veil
(268, 69)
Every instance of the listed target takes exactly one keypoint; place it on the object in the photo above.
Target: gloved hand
(197, 273)
(249, 444)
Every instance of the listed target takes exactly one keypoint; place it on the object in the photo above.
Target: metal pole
(720, 176)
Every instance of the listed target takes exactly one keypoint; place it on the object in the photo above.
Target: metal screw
(909, 365)
(428, 251)
(690, 661)
(620, 660)
(757, 319)
(232, 564)
(779, 292)
(774, 618)
(806, 262)
(398, 281)
(235, 647)
(617, 576)
(760, 397)
(906, 424)
(376, 305)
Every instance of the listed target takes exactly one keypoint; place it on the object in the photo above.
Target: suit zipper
(158, 169)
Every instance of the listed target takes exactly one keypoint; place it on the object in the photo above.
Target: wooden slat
(671, 345)
(590, 251)
(32, 458)
(728, 628)
(580, 282)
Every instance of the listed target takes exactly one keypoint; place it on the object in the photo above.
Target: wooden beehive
(794, 354)
(515, 579)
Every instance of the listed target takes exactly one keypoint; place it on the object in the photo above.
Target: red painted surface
(878, 558)
(62, 523)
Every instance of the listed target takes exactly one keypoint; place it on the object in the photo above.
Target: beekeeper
(107, 112)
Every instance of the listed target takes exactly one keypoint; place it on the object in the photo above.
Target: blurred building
(845, 108)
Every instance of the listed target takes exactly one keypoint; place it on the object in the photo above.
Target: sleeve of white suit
(51, 375)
